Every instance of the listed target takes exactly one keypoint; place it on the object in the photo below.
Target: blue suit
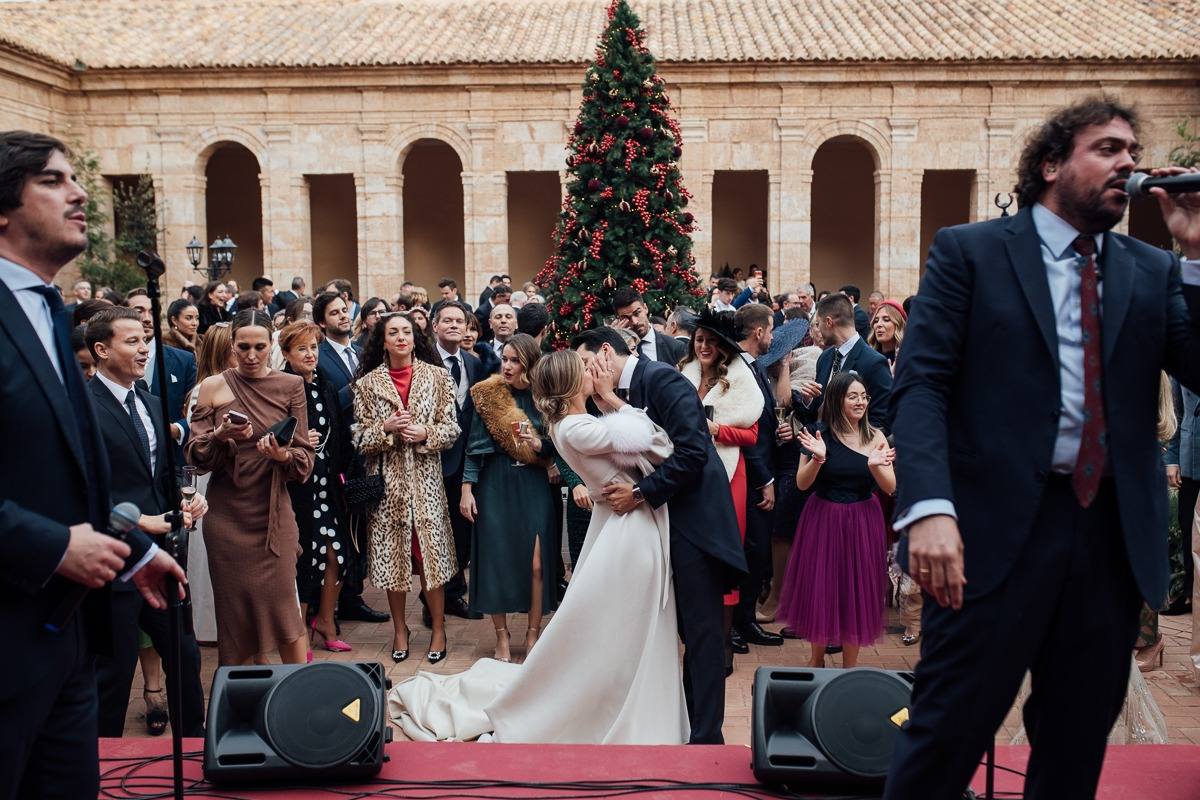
(335, 368)
(872, 366)
(1052, 587)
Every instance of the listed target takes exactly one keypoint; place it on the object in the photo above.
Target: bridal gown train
(606, 670)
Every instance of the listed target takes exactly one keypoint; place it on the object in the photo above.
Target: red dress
(738, 437)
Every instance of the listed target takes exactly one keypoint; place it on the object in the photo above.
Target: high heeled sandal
(401, 655)
(1148, 655)
(156, 713)
(909, 638)
(499, 631)
(536, 632)
(332, 645)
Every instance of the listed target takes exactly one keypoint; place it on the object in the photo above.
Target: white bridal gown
(606, 670)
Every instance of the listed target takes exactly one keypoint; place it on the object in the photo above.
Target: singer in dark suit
(54, 501)
(845, 351)
(633, 314)
(465, 371)
(137, 455)
(706, 549)
(1032, 498)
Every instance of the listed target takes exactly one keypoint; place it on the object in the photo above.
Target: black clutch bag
(283, 431)
(362, 491)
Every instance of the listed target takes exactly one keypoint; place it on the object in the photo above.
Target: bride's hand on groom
(604, 377)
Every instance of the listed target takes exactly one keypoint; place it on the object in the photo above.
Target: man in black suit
(501, 294)
(862, 322)
(338, 358)
(706, 550)
(448, 293)
(130, 422)
(449, 324)
(286, 298)
(755, 321)
(181, 372)
(266, 290)
(632, 314)
(54, 501)
(845, 350)
(1032, 497)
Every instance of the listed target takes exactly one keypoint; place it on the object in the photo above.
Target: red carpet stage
(1134, 772)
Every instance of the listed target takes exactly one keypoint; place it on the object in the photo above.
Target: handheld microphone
(1140, 183)
(121, 520)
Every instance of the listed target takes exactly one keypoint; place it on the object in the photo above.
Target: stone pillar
(774, 232)
(379, 196)
(793, 185)
(900, 261)
(485, 221)
(700, 184)
(179, 194)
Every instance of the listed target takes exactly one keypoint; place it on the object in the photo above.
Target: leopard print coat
(414, 496)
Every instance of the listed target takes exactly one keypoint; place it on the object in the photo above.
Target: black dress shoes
(788, 633)
(361, 612)
(1181, 606)
(457, 607)
(737, 644)
(757, 634)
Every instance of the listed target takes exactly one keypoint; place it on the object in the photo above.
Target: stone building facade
(819, 161)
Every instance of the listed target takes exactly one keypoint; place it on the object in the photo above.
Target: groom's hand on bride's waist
(621, 497)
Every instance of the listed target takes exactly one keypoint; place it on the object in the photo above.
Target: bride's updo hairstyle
(556, 378)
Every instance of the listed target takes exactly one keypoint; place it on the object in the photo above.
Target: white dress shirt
(20, 281)
(626, 379)
(460, 390)
(346, 354)
(120, 393)
(649, 346)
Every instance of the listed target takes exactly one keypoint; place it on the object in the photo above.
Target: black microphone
(121, 520)
(1140, 183)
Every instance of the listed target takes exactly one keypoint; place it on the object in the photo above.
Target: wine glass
(783, 416)
(519, 428)
(187, 486)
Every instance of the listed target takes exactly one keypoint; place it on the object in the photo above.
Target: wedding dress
(606, 670)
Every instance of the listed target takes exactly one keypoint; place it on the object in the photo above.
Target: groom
(706, 552)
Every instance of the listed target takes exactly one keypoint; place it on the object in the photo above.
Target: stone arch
(876, 141)
(403, 140)
(204, 143)
(846, 214)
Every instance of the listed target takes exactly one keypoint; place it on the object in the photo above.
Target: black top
(845, 476)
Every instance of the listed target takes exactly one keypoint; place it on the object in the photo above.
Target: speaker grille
(850, 717)
(322, 715)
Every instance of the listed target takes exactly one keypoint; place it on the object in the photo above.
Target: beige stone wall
(912, 118)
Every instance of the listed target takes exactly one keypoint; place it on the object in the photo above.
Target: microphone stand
(175, 542)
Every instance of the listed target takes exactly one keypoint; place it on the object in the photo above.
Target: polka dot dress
(317, 504)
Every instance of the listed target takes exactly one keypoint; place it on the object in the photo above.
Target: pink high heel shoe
(332, 645)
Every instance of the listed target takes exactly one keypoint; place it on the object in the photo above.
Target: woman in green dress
(507, 494)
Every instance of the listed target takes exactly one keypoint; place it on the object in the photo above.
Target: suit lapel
(1117, 268)
(153, 405)
(25, 338)
(1025, 256)
(636, 395)
(120, 416)
(332, 355)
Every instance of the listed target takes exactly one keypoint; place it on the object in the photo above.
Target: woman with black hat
(733, 401)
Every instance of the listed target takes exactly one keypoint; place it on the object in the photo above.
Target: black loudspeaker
(296, 722)
(828, 729)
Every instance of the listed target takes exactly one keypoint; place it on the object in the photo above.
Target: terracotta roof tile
(119, 34)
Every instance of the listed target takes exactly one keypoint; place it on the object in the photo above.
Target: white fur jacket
(739, 406)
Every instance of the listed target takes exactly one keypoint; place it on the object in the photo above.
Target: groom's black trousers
(1068, 612)
(699, 584)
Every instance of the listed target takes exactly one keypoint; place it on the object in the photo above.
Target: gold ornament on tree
(609, 282)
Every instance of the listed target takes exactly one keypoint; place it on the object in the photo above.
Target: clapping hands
(812, 442)
(881, 455)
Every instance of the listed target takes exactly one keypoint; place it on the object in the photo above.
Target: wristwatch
(638, 497)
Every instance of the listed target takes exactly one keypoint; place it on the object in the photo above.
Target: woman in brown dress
(251, 532)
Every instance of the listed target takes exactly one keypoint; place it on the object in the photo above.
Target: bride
(606, 669)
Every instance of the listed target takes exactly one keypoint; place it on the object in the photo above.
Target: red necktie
(1089, 466)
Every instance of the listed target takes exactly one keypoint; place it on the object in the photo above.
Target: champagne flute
(187, 486)
(517, 429)
(783, 416)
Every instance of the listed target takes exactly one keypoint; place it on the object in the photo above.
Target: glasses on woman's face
(855, 397)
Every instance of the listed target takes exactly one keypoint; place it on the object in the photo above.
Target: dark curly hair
(1055, 138)
(374, 354)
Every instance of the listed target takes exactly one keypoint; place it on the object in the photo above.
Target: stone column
(792, 183)
(900, 259)
(485, 221)
(179, 194)
(379, 195)
(774, 230)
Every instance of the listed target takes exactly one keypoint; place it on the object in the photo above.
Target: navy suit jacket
(452, 457)
(692, 481)
(181, 379)
(977, 395)
(667, 349)
(335, 369)
(872, 366)
(45, 487)
(862, 323)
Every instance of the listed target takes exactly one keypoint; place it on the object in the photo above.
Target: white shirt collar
(848, 345)
(17, 277)
(118, 391)
(1058, 234)
(649, 337)
(627, 372)
(340, 349)
(445, 353)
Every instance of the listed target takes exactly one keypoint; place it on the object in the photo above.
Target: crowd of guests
(416, 460)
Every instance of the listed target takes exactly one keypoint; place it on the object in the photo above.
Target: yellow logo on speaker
(898, 719)
(353, 711)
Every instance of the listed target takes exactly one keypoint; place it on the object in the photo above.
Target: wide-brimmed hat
(722, 324)
(785, 339)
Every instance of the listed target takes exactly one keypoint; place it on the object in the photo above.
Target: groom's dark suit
(706, 551)
(1051, 586)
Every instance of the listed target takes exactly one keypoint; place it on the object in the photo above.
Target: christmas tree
(624, 220)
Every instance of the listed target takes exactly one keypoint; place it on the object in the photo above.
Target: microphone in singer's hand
(121, 520)
(1140, 183)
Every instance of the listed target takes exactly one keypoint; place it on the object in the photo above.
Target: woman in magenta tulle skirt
(833, 591)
